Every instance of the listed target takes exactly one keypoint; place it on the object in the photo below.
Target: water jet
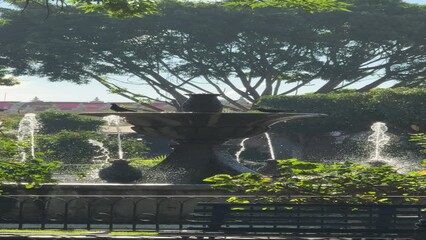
(119, 171)
(379, 138)
(28, 126)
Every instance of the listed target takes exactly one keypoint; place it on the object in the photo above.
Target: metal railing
(98, 211)
(110, 212)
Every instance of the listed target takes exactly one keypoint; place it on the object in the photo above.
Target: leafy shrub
(353, 111)
(132, 147)
(10, 121)
(338, 182)
(55, 121)
(68, 146)
(420, 139)
(32, 172)
(69, 135)
(74, 147)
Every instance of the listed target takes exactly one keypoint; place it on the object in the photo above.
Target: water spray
(116, 121)
(270, 146)
(28, 126)
(103, 156)
(379, 138)
(242, 149)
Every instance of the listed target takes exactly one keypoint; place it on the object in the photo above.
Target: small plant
(420, 140)
(140, 163)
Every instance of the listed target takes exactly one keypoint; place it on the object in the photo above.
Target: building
(37, 105)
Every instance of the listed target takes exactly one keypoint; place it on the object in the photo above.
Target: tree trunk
(372, 85)
(329, 86)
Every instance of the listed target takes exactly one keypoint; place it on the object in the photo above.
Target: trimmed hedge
(56, 121)
(73, 147)
(67, 146)
(351, 111)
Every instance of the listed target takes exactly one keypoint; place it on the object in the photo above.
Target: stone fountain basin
(211, 127)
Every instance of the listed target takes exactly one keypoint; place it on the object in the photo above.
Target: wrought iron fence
(109, 212)
(98, 212)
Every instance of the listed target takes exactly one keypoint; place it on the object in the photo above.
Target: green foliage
(420, 139)
(310, 6)
(56, 121)
(140, 8)
(73, 147)
(4, 21)
(64, 137)
(132, 147)
(259, 49)
(68, 146)
(32, 172)
(353, 111)
(9, 149)
(140, 162)
(316, 182)
(6, 80)
(119, 8)
(10, 121)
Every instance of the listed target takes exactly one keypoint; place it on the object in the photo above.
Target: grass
(70, 232)
(49, 231)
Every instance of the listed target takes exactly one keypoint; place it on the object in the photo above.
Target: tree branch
(124, 92)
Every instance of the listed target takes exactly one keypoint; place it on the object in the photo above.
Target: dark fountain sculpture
(199, 132)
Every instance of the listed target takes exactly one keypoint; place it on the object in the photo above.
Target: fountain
(199, 133)
(270, 146)
(379, 140)
(243, 147)
(28, 126)
(120, 171)
(116, 121)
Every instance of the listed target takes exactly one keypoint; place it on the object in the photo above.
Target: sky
(31, 87)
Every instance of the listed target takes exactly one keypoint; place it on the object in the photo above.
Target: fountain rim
(202, 94)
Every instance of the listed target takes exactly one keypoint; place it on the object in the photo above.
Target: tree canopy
(139, 8)
(192, 47)
(7, 80)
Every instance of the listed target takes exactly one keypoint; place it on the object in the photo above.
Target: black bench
(308, 220)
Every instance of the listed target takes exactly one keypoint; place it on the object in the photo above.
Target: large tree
(139, 8)
(380, 41)
(208, 48)
(6, 80)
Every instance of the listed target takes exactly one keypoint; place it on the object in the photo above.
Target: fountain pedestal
(192, 162)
